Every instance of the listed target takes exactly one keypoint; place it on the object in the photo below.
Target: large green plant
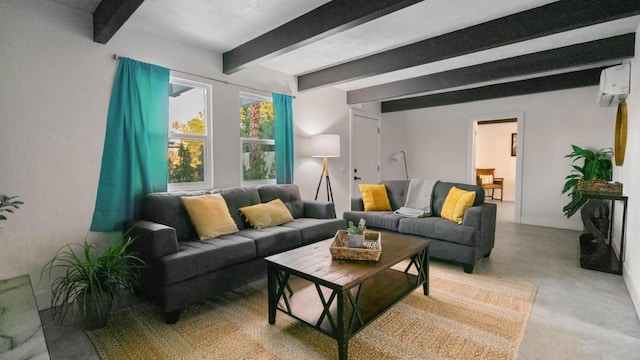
(595, 166)
(94, 282)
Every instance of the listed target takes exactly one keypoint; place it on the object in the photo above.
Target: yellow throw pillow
(456, 203)
(375, 197)
(210, 215)
(272, 213)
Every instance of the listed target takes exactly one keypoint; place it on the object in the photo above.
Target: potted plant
(94, 282)
(596, 166)
(8, 204)
(356, 233)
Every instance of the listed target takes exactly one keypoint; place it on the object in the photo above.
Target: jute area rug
(466, 316)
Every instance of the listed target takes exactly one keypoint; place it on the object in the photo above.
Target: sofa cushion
(288, 193)
(319, 210)
(200, 257)
(375, 219)
(272, 240)
(313, 230)
(271, 213)
(167, 209)
(374, 197)
(441, 190)
(237, 197)
(396, 192)
(440, 229)
(456, 203)
(209, 215)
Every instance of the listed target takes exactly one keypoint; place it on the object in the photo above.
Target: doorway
(365, 150)
(497, 143)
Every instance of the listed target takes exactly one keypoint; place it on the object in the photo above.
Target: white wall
(493, 151)
(439, 138)
(325, 111)
(318, 112)
(630, 178)
(393, 140)
(54, 95)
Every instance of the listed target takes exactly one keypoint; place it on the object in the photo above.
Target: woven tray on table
(371, 251)
(600, 187)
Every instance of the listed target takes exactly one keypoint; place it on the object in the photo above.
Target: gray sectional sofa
(183, 270)
(464, 244)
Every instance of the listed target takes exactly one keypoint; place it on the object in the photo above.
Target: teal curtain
(134, 158)
(283, 137)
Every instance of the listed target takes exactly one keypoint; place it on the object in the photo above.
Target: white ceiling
(421, 21)
(87, 6)
(221, 25)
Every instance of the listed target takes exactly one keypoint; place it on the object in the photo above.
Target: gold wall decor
(620, 141)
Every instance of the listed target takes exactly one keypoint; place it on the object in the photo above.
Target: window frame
(243, 140)
(207, 137)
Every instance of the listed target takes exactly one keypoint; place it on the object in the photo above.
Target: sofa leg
(468, 268)
(172, 317)
(488, 254)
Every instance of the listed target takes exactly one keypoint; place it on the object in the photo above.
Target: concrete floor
(577, 314)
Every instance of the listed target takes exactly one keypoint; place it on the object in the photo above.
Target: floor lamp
(325, 146)
(401, 155)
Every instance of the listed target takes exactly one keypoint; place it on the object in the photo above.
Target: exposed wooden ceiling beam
(329, 19)
(584, 54)
(110, 15)
(564, 81)
(538, 22)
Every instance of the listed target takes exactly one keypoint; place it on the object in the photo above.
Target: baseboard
(633, 291)
(558, 222)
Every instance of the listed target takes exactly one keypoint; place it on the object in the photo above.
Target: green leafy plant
(356, 229)
(595, 166)
(8, 204)
(94, 282)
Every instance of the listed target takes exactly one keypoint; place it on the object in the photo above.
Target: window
(258, 155)
(189, 143)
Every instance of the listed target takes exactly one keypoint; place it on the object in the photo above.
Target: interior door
(365, 150)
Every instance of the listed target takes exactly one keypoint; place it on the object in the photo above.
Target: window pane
(258, 162)
(256, 118)
(186, 161)
(186, 109)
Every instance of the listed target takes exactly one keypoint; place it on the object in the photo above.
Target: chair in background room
(485, 178)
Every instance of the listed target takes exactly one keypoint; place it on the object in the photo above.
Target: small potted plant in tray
(356, 234)
(92, 281)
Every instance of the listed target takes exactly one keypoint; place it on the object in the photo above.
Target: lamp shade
(401, 155)
(325, 145)
(398, 156)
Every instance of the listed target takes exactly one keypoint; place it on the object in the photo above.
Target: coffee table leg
(343, 336)
(271, 290)
(425, 268)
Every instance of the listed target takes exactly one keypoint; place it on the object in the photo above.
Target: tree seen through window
(256, 133)
(186, 157)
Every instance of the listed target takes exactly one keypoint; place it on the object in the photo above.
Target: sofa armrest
(153, 240)
(483, 218)
(357, 204)
(319, 210)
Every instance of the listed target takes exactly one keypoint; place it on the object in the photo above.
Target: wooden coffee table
(344, 296)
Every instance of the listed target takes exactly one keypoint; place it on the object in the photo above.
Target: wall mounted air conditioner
(614, 85)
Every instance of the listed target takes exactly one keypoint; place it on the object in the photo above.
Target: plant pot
(94, 309)
(355, 241)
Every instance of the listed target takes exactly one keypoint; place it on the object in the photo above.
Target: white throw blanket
(418, 201)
